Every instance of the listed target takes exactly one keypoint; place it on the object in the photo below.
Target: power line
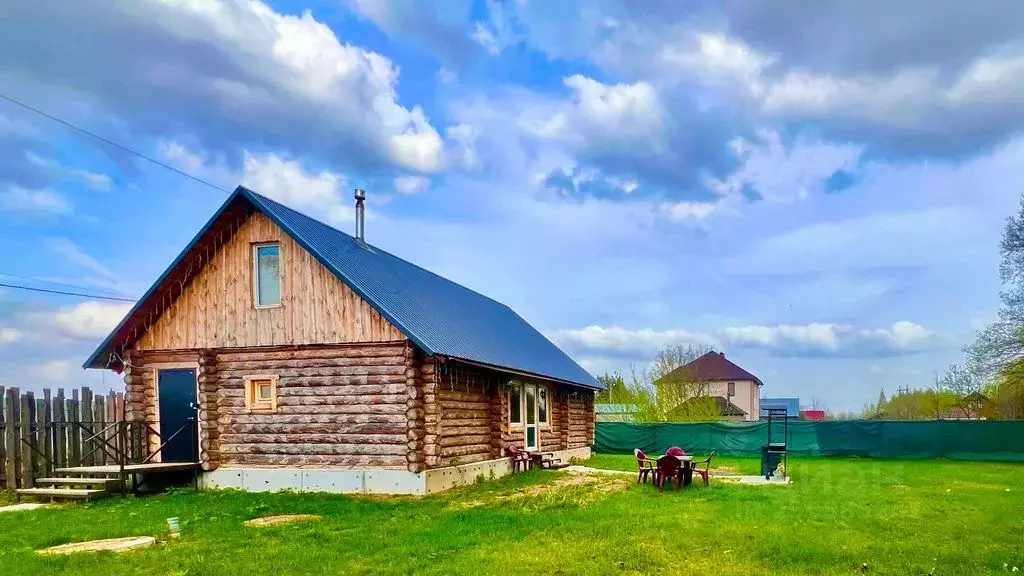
(51, 282)
(109, 142)
(81, 294)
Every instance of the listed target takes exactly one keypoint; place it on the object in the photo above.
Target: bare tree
(675, 356)
(962, 382)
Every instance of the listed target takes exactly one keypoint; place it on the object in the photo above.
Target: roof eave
(94, 358)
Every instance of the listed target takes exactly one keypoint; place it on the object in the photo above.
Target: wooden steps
(105, 483)
(63, 493)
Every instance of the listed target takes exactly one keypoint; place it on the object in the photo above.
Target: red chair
(675, 451)
(669, 467)
(644, 465)
(520, 460)
(707, 466)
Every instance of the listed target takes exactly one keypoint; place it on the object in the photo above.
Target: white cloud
(94, 180)
(54, 371)
(237, 71)
(410, 184)
(446, 76)
(287, 181)
(72, 253)
(689, 210)
(712, 57)
(39, 201)
(498, 32)
(462, 150)
(9, 335)
(282, 178)
(780, 172)
(620, 113)
(815, 339)
(624, 342)
(83, 322)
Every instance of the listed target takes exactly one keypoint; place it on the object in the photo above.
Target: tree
(999, 347)
(961, 382)
(674, 356)
(615, 390)
(881, 400)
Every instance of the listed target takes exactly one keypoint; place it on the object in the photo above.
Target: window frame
(253, 403)
(517, 386)
(730, 389)
(543, 392)
(256, 275)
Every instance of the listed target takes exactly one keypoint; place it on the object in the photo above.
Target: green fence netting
(961, 439)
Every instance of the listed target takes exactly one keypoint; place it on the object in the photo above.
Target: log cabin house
(311, 360)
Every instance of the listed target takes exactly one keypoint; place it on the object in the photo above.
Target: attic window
(267, 275)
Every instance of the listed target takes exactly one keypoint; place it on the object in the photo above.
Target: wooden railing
(41, 433)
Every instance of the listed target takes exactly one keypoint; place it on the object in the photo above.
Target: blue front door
(177, 390)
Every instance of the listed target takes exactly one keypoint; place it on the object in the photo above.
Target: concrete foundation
(366, 481)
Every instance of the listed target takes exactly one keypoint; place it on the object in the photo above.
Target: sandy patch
(22, 507)
(282, 519)
(109, 545)
(578, 488)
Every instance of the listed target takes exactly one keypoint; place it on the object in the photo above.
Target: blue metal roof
(438, 315)
(792, 405)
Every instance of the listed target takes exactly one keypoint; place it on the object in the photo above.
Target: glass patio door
(530, 399)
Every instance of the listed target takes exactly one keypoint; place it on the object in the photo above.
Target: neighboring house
(790, 405)
(719, 377)
(615, 412)
(314, 360)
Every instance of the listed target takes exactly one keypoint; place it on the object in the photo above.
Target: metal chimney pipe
(360, 195)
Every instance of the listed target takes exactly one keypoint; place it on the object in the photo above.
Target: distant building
(615, 412)
(723, 379)
(812, 414)
(790, 405)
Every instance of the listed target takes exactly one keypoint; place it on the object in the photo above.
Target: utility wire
(53, 283)
(109, 142)
(81, 294)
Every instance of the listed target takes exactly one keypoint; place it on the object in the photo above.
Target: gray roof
(438, 315)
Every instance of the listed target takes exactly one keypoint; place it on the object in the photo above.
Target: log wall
(337, 406)
(216, 308)
(467, 416)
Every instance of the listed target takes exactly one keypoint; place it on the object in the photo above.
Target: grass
(899, 517)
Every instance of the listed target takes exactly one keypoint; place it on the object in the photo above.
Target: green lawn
(899, 517)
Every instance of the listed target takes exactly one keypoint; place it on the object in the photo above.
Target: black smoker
(773, 453)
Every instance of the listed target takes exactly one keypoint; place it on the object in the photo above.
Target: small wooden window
(260, 394)
(515, 404)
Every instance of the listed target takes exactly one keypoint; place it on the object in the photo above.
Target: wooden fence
(40, 433)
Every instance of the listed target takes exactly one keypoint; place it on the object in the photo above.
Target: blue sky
(818, 189)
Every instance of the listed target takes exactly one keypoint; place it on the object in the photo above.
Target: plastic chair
(707, 466)
(675, 451)
(645, 466)
(520, 460)
(669, 467)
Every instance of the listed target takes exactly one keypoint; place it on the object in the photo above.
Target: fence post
(39, 438)
(47, 434)
(28, 408)
(11, 415)
(88, 427)
(3, 437)
(99, 413)
(60, 447)
(74, 431)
